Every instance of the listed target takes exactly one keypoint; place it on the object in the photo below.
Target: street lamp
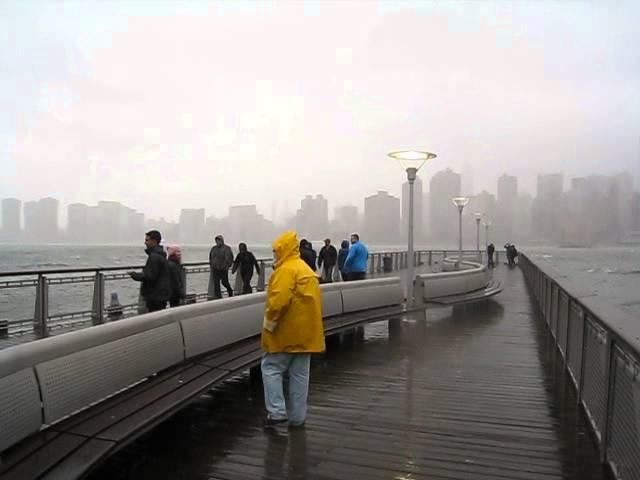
(486, 224)
(460, 202)
(478, 217)
(411, 161)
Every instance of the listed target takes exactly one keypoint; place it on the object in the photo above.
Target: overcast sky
(166, 105)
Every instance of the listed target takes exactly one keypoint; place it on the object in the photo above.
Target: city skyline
(555, 213)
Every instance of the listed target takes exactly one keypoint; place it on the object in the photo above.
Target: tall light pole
(486, 224)
(478, 217)
(459, 202)
(411, 161)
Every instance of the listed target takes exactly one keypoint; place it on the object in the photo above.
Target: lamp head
(460, 202)
(412, 158)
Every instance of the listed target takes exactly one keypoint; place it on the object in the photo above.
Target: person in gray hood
(220, 260)
(155, 278)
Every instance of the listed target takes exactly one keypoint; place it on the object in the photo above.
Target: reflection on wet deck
(474, 392)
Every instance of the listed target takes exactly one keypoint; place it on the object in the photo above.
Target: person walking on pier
(220, 260)
(156, 283)
(490, 251)
(177, 275)
(342, 256)
(308, 254)
(356, 262)
(327, 260)
(292, 331)
(245, 261)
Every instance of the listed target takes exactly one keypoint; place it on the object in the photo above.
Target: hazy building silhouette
(443, 216)
(547, 214)
(78, 225)
(418, 225)
(346, 221)
(312, 219)
(523, 219)
(506, 207)
(11, 213)
(245, 224)
(192, 225)
(41, 220)
(382, 218)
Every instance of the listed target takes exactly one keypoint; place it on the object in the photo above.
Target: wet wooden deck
(475, 392)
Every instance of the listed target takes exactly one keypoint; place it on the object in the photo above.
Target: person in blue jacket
(356, 263)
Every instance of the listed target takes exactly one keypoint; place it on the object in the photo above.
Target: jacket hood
(344, 244)
(286, 247)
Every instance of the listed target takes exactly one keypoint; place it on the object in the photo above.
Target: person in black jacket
(328, 257)
(308, 254)
(156, 283)
(342, 256)
(245, 261)
(178, 276)
(490, 251)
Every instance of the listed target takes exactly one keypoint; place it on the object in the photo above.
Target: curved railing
(40, 287)
(600, 348)
(471, 276)
(47, 381)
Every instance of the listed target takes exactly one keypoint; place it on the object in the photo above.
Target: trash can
(387, 264)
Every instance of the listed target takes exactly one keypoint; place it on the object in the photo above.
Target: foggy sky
(166, 105)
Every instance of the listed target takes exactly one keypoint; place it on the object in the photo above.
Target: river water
(611, 272)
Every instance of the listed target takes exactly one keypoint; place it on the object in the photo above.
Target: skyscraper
(443, 220)
(191, 225)
(41, 220)
(312, 219)
(382, 219)
(78, 223)
(547, 214)
(11, 210)
(506, 208)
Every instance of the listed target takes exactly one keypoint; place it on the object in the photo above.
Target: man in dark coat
(220, 260)
(328, 257)
(490, 251)
(156, 282)
(342, 256)
(245, 262)
(308, 254)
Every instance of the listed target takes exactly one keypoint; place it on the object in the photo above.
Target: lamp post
(486, 224)
(478, 217)
(411, 161)
(459, 202)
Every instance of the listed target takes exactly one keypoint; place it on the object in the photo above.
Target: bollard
(97, 310)
(115, 310)
(41, 314)
(4, 328)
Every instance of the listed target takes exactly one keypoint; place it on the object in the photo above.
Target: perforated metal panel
(575, 340)
(20, 410)
(595, 381)
(563, 322)
(624, 417)
(355, 299)
(553, 310)
(209, 332)
(75, 381)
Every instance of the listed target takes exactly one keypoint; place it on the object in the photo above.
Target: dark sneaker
(273, 422)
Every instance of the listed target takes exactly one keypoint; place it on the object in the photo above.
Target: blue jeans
(274, 365)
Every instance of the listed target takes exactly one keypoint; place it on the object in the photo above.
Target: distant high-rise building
(192, 224)
(41, 220)
(11, 212)
(245, 224)
(312, 219)
(78, 225)
(506, 207)
(547, 214)
(443, 220)
(382, 219)
(418, 225)
(346, 221)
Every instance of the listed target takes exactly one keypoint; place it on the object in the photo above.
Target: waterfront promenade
(475, 392)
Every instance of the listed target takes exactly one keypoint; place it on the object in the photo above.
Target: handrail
(600, 348)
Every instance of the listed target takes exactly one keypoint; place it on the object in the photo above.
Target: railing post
(261, 278)
(430, 257)
(41, 314)
(372, 261)
(97, 309)
(4, 328)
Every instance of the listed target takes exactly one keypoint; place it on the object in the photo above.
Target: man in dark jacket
(220, 260)
(342, 256)
(156, 283)
(490, 251)
(308, 254)
(328, 257)
(245, 262)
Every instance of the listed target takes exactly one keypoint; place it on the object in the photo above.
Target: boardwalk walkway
(475, 392)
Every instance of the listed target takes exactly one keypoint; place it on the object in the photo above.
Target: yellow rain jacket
(293, 312)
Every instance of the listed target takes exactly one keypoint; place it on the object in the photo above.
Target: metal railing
(91, 283)
(600, 348)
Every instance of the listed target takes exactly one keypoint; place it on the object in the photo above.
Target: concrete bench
(67, 402)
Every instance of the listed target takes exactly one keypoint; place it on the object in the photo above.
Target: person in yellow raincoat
(292, 331)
